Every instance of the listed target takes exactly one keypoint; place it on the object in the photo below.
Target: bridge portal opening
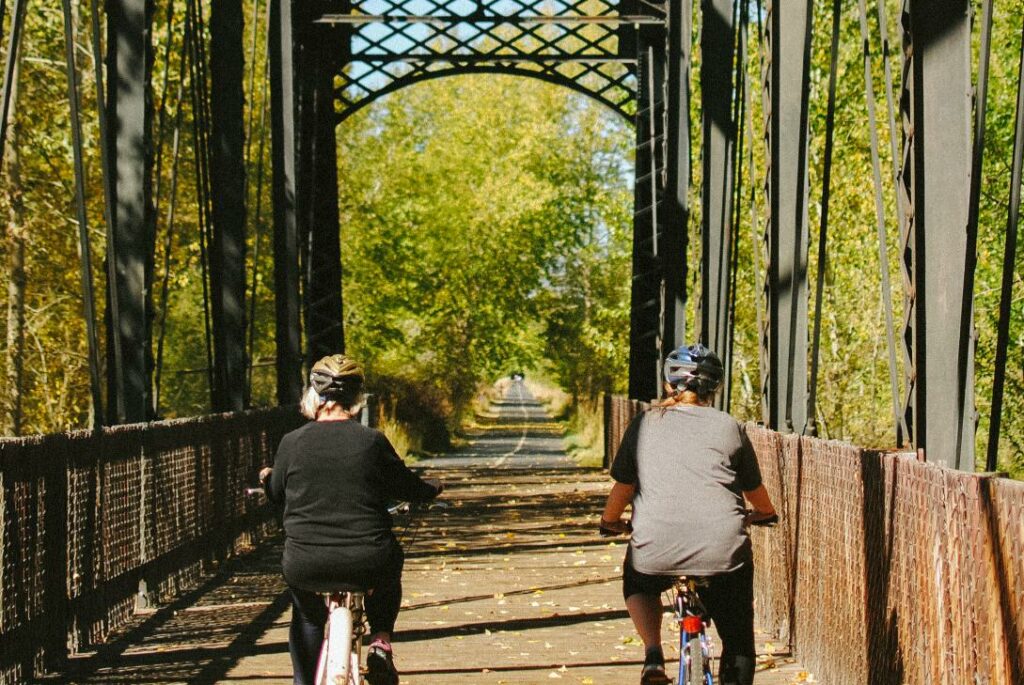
(486, 228)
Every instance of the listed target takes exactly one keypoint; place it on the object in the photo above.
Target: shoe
(654, 674)
(380, 665)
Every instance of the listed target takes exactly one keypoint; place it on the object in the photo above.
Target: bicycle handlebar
(406, 507)
(765, 522)
(615, 528)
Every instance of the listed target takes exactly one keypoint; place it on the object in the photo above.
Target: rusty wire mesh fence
(885, 569)
(88, 516)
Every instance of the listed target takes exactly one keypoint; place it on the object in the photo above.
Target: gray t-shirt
(690, 466)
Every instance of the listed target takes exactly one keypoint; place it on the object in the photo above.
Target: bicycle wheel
(697, 664)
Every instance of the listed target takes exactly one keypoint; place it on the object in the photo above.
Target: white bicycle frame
(343, 637)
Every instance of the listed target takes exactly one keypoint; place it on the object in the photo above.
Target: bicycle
(696, 650)
(341, 654)
(340, 657)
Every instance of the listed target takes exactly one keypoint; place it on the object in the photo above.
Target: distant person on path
(334, 477)
(686, 468)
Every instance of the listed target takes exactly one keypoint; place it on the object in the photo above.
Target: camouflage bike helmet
(695, 368)
(337, 377)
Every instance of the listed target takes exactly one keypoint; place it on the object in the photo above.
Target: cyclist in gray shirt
(686, 467)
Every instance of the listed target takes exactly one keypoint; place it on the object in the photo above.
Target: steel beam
(677, 173)
(937, 121)
(491, 18)
(718, 41)
(789, 37)
(227, 250)
(286, 241)
(129, 121)
(318, 195)
(648, 284)
(463, 59)
(17, 23)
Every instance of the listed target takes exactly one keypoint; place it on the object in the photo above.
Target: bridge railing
(88, 519)
(885, 569)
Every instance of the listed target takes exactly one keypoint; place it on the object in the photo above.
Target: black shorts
(636, 583)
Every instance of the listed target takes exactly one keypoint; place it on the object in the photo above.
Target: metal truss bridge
(84, 517)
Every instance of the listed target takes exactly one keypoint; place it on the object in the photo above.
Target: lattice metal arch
(585, 45)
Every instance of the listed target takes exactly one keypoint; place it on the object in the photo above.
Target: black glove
(610, 529)
(754, 518)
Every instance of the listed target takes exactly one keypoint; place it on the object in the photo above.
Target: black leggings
(309, 614)
(729, 600)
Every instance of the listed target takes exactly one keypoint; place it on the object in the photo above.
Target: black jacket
(335, 480)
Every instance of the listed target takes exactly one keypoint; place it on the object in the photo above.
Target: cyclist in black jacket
(686, 468)
(334, 477)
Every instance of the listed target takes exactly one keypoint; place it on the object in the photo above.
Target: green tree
(468, 209)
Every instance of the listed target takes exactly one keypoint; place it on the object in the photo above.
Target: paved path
(518, 433)
(509, 585)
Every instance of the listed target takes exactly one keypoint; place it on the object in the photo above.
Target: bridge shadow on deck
(203, 635)
(513, 574)
(198, 637)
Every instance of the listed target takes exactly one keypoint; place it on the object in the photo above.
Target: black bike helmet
(337, 377)
(695, 368)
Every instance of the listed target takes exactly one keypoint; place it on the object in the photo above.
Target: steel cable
(200, 146)
(971, 248)
(739, 113)
(162, 111)
(171, 208)
(811, 423)
(84, 249)
(883, 250)
(257, 216)
(754, 228)
(1009, 262)
(13, 47)
(157, 194)
(902, 433)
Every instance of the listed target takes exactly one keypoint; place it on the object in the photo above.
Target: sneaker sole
(378, 673)
(655, 679)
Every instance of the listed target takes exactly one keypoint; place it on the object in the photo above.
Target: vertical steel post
(677, 173)
(84, 246)
(937, 167)
(227, 250)
(789, 38)
(319, 193)
(10, 67)
(129, 120)
(648, 285)
(286, 243)
(718, 40)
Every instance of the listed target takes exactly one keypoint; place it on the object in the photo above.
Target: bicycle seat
(346, 588)
(696, 581)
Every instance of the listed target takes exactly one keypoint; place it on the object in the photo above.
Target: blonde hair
(313, 404)
(682, 397)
